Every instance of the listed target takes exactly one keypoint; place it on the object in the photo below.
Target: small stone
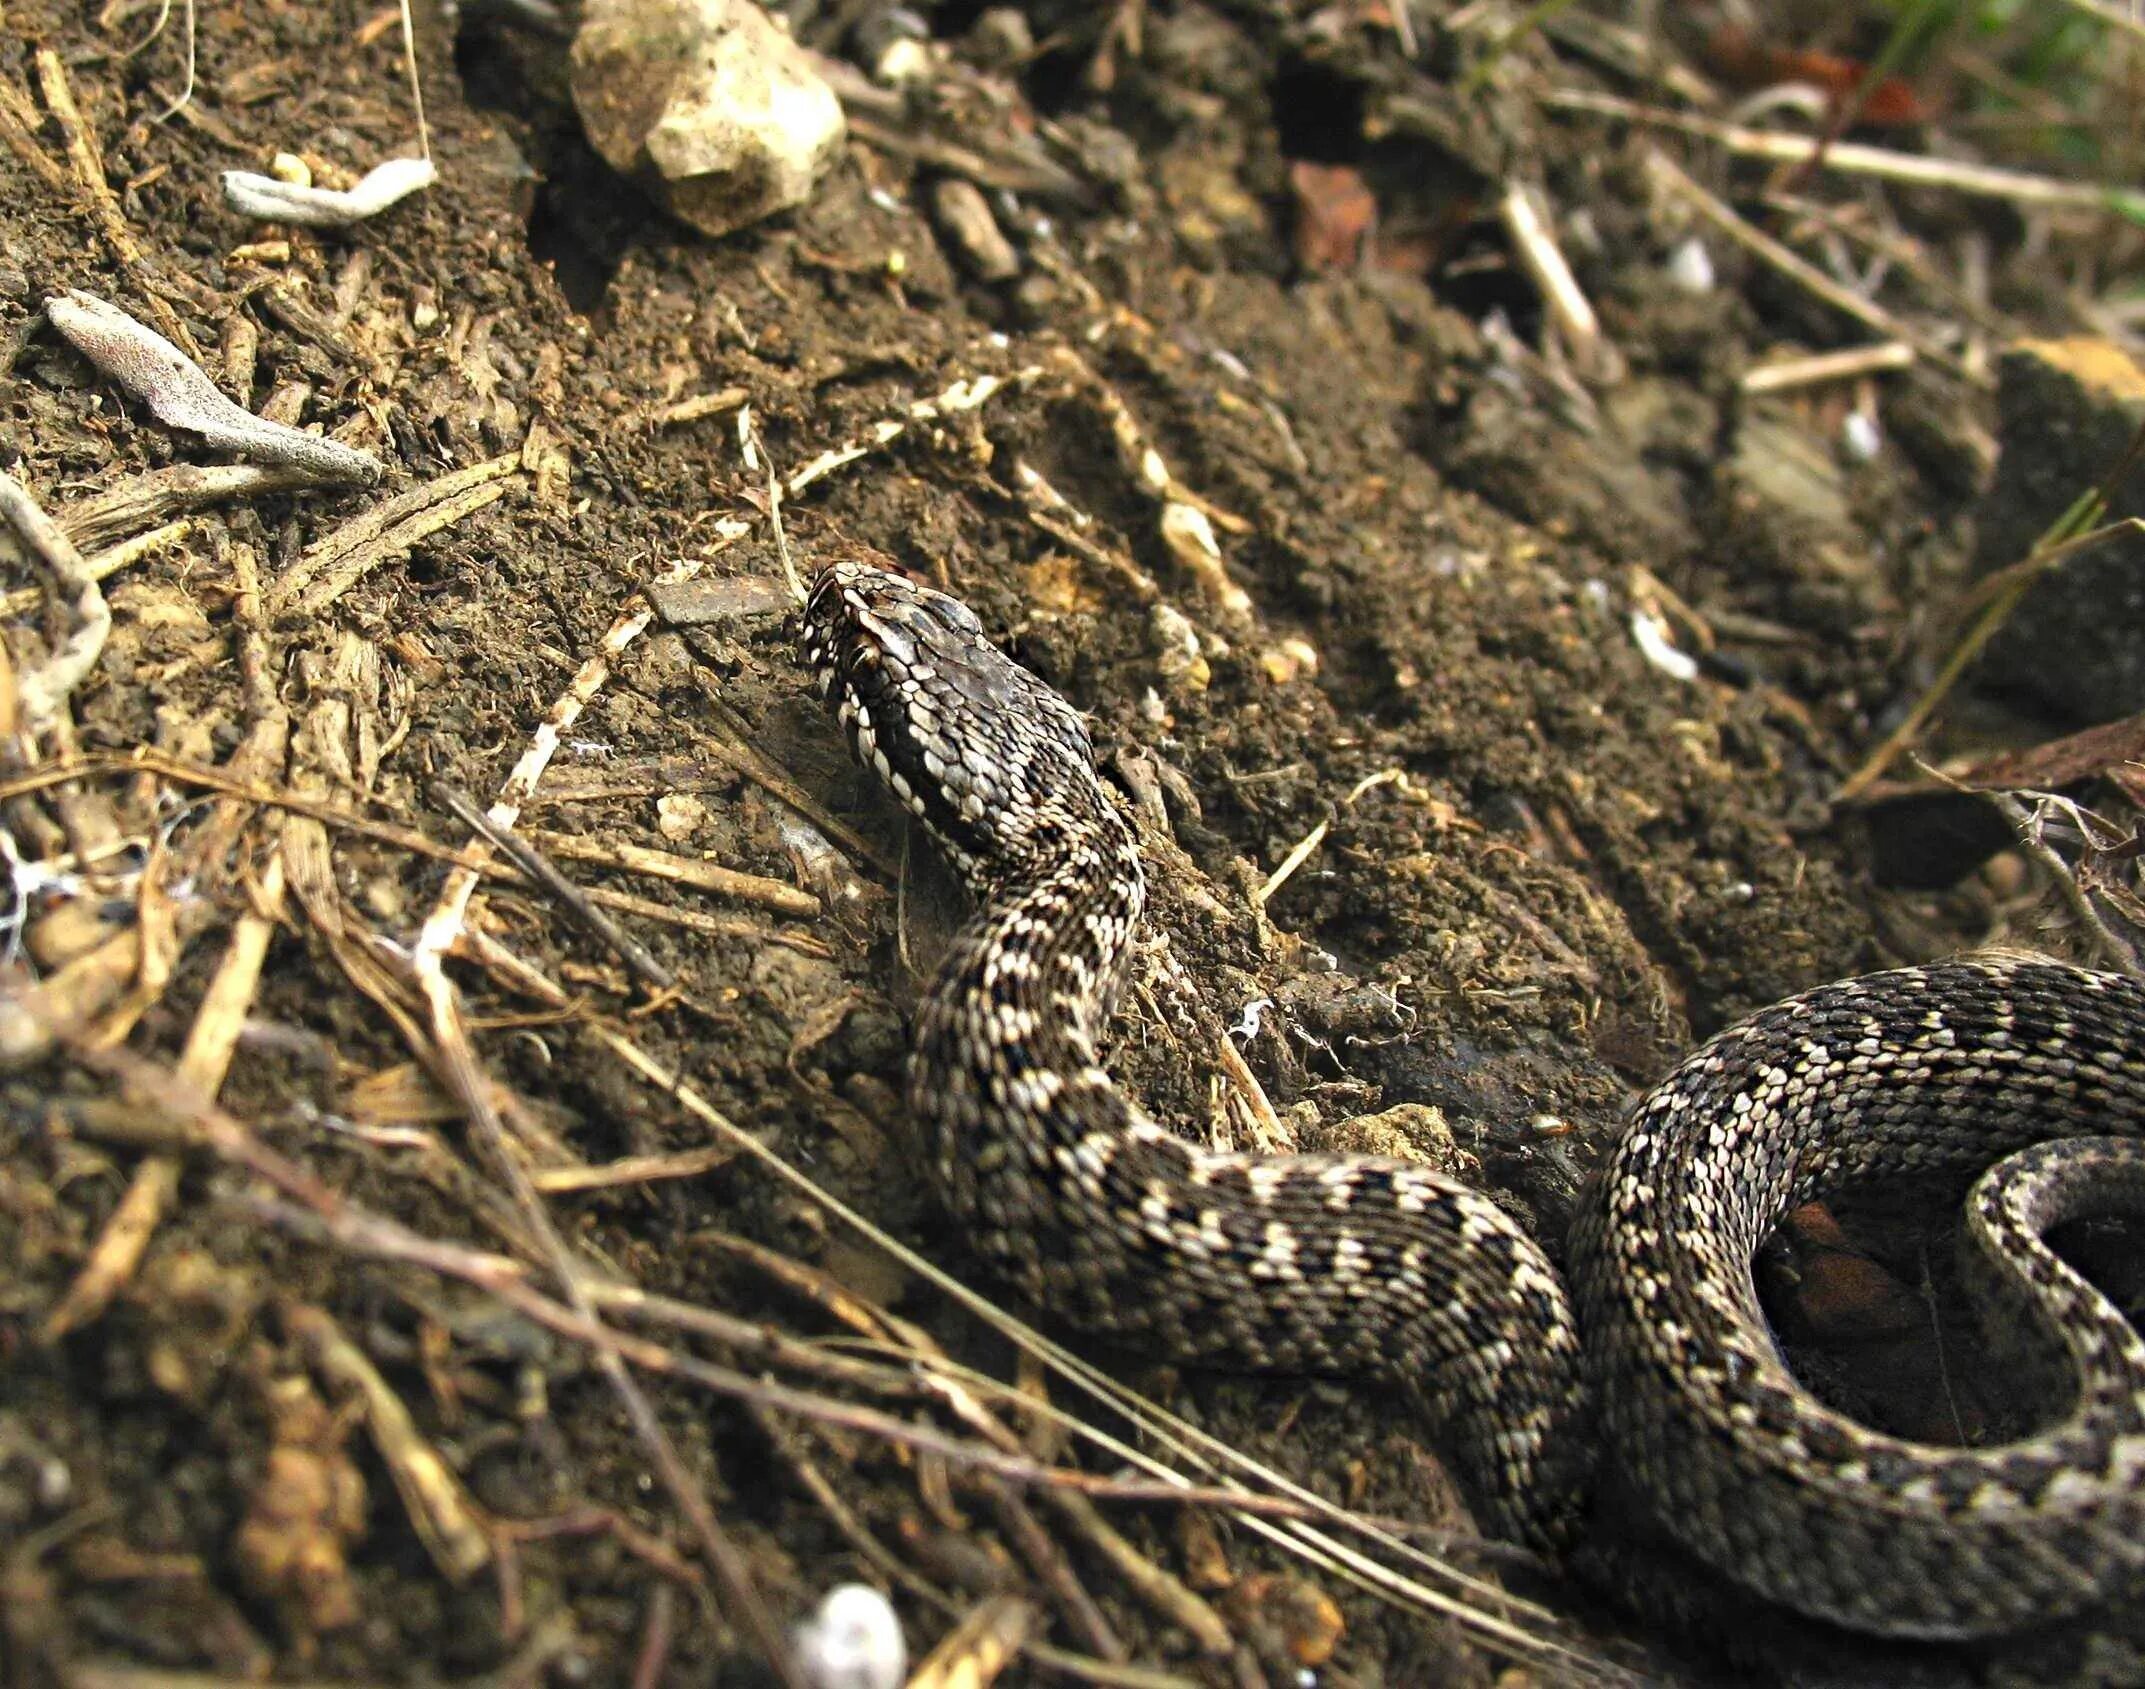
(679, 815)
(1035, 296)
(1405, 1132)
(1285, 662)
(384, 898)
(894, 45)
(709, 103)
(1690, 267)
(715, 603)
(852, 1640)
(964, 218)
(1294, 1609)
(1179, 662)
(1000, 39)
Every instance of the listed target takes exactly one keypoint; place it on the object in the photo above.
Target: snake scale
(1658, 1355)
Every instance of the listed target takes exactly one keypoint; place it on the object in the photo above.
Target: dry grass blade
(1849, 158)
(1999, 596)
(210, 1044)
(42, 692)
(1488, 1614)
(1761, 245)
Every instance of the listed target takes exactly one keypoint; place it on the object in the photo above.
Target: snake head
(995, 764)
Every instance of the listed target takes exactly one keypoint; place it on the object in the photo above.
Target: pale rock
(707, 103)
(679, 815)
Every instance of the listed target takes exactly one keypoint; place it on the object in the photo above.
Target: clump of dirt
(1434, 831)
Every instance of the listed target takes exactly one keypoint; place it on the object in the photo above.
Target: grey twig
(43, 691)
(537, 866)
(180, 395)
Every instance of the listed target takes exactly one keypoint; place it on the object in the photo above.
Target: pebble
(852, 1640)
(708, 103)
(964, 218)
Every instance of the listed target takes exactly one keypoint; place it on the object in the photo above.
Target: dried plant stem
(102, 203)
(1986, 181)
(1761, 245)
(42, 693)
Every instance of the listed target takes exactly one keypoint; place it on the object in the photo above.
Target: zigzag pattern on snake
(1659, 1355)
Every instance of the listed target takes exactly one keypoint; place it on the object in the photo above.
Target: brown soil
(1545, 865)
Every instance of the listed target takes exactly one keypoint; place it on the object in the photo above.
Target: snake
(2018, 1078)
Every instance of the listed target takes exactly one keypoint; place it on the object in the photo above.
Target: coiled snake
(1660, 1354)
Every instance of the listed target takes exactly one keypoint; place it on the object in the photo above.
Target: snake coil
(2031, 1070)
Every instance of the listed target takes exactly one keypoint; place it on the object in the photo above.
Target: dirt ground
(1527, 864)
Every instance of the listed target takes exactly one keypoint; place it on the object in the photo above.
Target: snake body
(1659, 1354)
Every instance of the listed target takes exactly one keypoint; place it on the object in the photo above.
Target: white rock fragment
(894, 45)
(273, 200)
(679, 815)
(1650, 633)
(851, 1641)
(708, 103)
(1179, 661)
(1690, 267)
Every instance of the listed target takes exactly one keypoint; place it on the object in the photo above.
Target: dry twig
(101, 202)
(337, 561)
(532, 862)
(43, 692)
(1822, 367)
(1543, 260)
(179, 395)
(1987, 181)
(1761, 245)
(681, 870)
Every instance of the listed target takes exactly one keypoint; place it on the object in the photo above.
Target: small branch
(158, 495)
(1543, 260)
(2026, 830)
(1671, 177)
(102, 204)
(1849, 158)
(180, 395)
(338, 561)
(537, 866)
(1827, 366)
(106, 563)
(682, 870)
(43, 692)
